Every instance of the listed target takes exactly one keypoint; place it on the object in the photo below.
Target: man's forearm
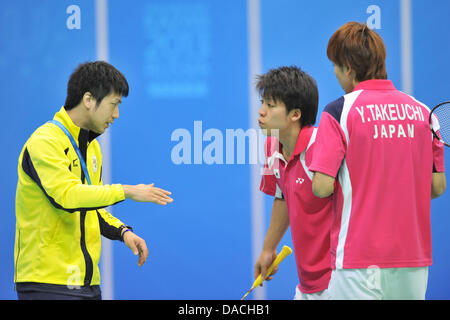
(279, 222)
(322, 185)
(127, 190)
(438, 184)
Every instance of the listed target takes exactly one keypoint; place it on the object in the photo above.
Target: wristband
(124, 233)
(120, 231)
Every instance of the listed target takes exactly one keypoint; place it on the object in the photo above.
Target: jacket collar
(74, 130)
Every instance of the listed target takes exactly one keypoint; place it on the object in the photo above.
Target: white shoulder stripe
(303, 155)
(349, 100)
(434, 120)
(344, 180)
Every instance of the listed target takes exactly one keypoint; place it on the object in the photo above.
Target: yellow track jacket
(59, 217)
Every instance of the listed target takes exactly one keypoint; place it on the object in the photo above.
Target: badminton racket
(280, 257)
(440, 122)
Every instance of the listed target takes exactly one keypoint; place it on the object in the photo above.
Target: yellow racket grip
(280, 257)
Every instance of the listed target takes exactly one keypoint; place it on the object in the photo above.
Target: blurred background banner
(191, 67)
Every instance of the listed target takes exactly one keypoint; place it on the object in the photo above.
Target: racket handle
(280, 257)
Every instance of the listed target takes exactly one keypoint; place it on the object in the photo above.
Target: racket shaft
(247, 293)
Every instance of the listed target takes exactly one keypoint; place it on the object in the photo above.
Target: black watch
(120, 230)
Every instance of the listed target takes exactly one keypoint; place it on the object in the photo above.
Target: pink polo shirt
(377, 142)
(309, 216)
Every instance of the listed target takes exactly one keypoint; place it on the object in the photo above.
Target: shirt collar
(303, 140)
(375, 84)
(74, 130)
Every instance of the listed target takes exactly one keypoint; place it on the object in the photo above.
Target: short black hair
(99, 78)
(294, 87)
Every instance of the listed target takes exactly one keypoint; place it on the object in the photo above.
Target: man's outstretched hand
(147, 193)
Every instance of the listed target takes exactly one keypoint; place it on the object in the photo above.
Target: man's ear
(296, 115)
(89, 101)
(349, 72)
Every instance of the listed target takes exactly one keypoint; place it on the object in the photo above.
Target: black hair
(294, 87)
(99, 78)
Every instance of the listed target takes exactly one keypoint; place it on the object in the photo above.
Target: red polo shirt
(377, 142)
(309, 216)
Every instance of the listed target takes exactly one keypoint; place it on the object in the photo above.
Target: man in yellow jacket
(60, 197)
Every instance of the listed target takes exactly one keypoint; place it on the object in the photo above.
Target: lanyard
(75, 146)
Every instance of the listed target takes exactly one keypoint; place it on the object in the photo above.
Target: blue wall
(431, 50)
(186, 61)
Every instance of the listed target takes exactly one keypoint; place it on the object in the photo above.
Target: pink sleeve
(268, 181)
(268, 185)
(330, 146)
